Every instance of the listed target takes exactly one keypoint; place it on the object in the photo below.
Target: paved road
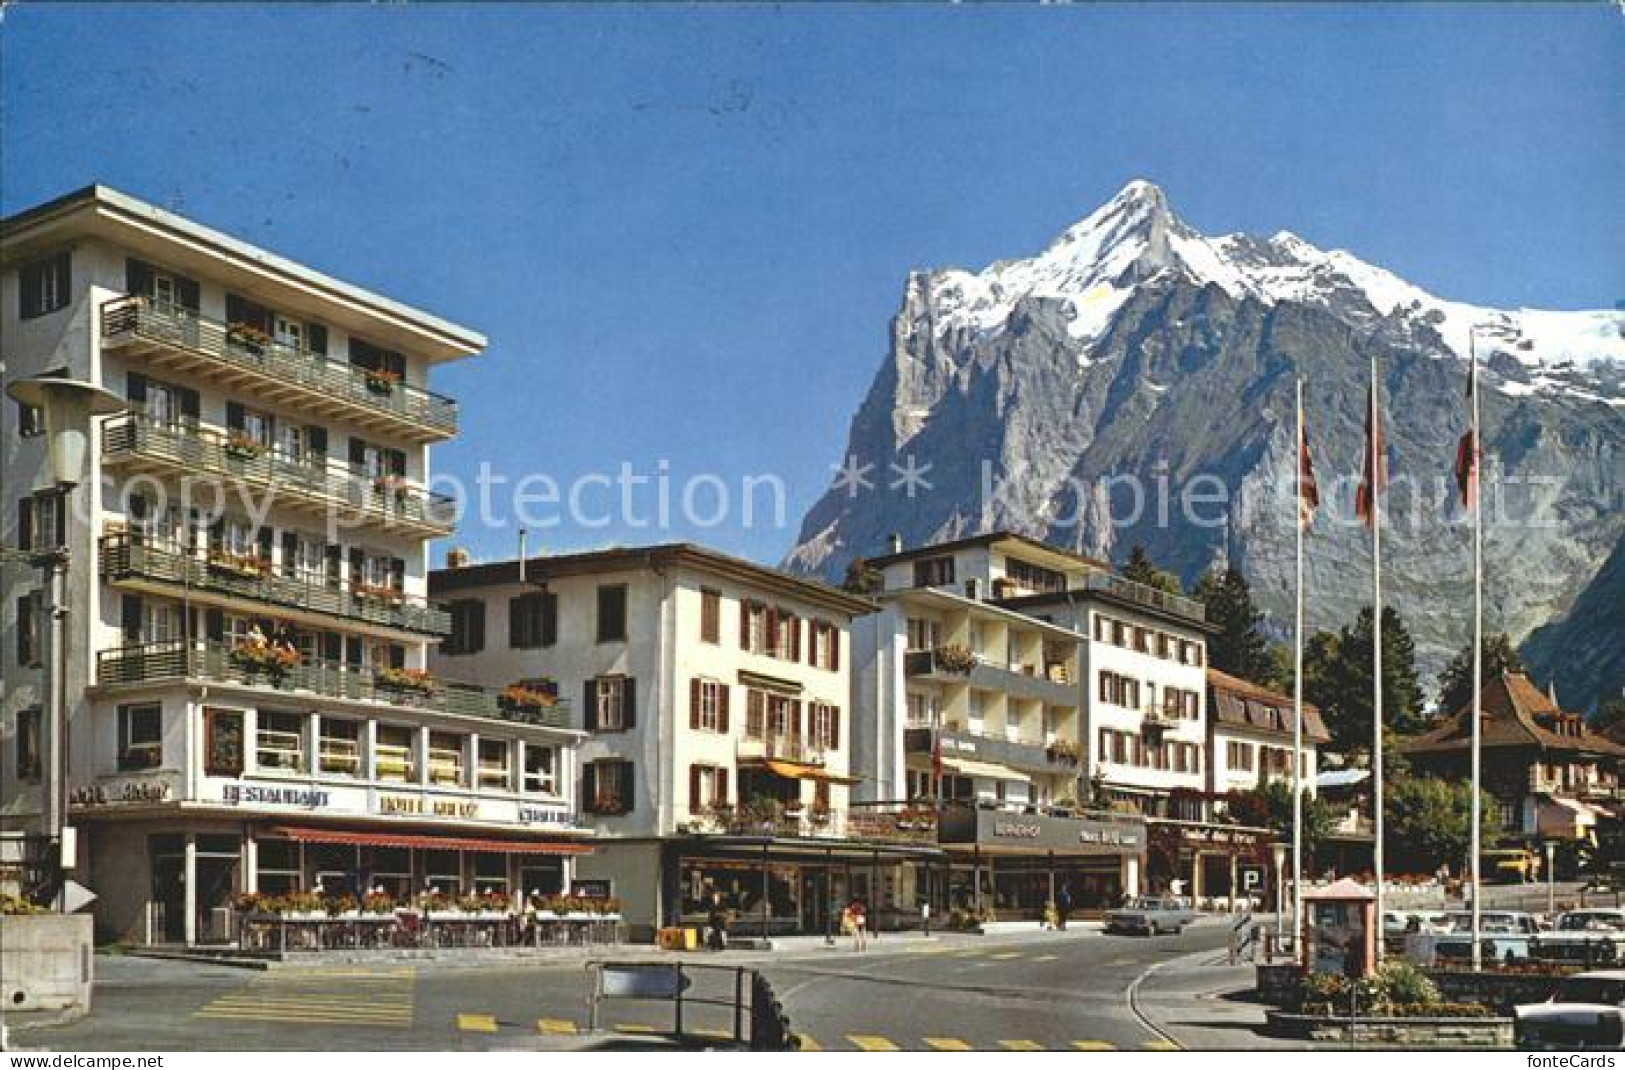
(1026, 991)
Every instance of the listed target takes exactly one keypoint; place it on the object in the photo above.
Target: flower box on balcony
(241, 447)
(954, 658)
(273, 660)
(519, 698)
(415, 681)
(241, 566)
(381, 593)
(247, 336)
(381, 382)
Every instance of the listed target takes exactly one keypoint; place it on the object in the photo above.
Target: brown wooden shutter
(694, 699)
(629, 705)
(834, 648)
(693, 789)
(795, 721)
(629, 791)
(589, 706)
(834, 728)
(772, 632)
(25, 523)
(722, 785)
(795, 639)
(723, 691)
(744, 626)
(589, 787)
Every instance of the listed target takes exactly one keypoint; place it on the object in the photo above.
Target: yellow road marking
(1093, 1045)
(1020, 1045)
(555, 1026)
(947, 1043)
(1005, 956)
(477, 1023)
(633, 1027)
(1160, 1045)
(870, 1043)
(387, 1010)
(714, 1034)
(808, 1043)
(308, 1017)
(1045, 958)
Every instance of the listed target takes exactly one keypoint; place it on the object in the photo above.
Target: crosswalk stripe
(1020, 1045)
(477, 1023)
(1046, 958)
(1094, 1045)
(807, 1043)
(947, 1043)
(1160, 1045)
(634, 1027)
(871, 1043)
(1005, 956)
(555, 1026)
(391, 1010)
(312, 1017)
(710, 1034)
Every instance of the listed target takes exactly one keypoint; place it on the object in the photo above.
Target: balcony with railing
(321, 485)
(1019, 752)
(1150, 597)
(176, 661)
(949, 664)
(906, 825)
(129, 560)
(779, 747)
(233, 354)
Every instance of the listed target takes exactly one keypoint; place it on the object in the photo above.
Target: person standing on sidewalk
(1063, 907)
(860, 921)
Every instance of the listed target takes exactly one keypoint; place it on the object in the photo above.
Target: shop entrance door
(169, 898)
(815, 901)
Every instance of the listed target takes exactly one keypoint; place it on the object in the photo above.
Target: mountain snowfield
(1136, 346)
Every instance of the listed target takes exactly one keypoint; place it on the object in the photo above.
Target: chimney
(973, 589)
(457, 557)
(894, 543)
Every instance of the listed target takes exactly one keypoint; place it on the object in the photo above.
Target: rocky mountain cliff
(1585, 650)
(1134, 383)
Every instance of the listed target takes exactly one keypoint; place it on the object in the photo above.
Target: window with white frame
(494, 768)
(395, 754)
(279, 741)
(340, 750)
(923, 634)
(610, 695)
(924, 711)
(140, 736)
(708, 710)
(541, 769)
(823, 726)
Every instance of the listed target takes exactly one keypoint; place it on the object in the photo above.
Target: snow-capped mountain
(1136, 347)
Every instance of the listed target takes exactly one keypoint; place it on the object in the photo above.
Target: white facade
(246, 598)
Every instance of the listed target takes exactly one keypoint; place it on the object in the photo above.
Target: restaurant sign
(1080, 835)
(116, 792)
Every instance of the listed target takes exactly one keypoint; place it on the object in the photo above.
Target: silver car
(1587, 1011)
(1149, 915)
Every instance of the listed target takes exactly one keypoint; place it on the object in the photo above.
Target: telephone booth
(1340, 929)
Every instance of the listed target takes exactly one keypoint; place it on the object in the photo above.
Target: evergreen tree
(1456, 682)
(862, 578)
(1239, 647)
(1609, 714)
(1337, 678)
(1141, 569)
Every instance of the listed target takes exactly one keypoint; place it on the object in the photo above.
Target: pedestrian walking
(717, 924)
(859, 915)
(1063, 907)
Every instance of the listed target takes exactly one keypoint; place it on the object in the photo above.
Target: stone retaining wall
(45, 961)
(1454, 1033)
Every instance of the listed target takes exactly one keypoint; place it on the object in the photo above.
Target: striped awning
(985, 770)
(803, 771)
(428, 843)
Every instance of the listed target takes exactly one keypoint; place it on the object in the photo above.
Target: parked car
(1593, 937)
(1150, 915)
(1513, 865)
(1586, 1011)
(1504, 936)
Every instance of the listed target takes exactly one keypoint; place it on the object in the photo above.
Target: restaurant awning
(428, 843)
(986, 770)
(804, 771)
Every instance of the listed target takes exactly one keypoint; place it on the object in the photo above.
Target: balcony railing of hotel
(129, 556)
(1024, 749)
(891, 824)
(282, 366)
(179, 659)
(951, 660)
(782, 748)
(322, 481)
(1149, 597)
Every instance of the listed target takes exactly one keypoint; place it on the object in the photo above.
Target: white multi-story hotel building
(716, 700)
(247, 707)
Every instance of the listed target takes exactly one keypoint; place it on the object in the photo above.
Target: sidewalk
(1205, 1004)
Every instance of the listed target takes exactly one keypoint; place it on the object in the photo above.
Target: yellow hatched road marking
(1021, 1045)
(712, 1034)
(1005, 956)
(1094, 1045)
(871, 1043)
(477, 1023)
(249, 1003)
(310, 1017)
(808, 1043)
(1160, 1045)
(555, 1026)
(947, 1043)
(633, 1027)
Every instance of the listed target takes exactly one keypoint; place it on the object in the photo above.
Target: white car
(1591, 937)
(1587, 1011)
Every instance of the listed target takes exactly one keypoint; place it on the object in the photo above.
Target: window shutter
(318, 440)
(234, 416)
(290, 554)
(772, 630)
(517, 637)
(723, 691)
(629, 793)
(191, 407)
(358, 451)
(722, 786)
(795, 638)
(214, 625)
(137, 277)
(187, 294)
(629, 704)
(795, 722)
(476, 627)
(550, 618)
(316, 338)
(834, 648)
(25, 523)
(589, 706)
(834, 728)
(693, 789)
(136, 389)
(130, 618)
(744, 625)
(694, 688)
(589, 785)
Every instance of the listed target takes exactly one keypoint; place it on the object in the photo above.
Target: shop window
(541, 769)
(443, 872)
(494, 771)
(279, 742)
(391, 871)
(446, 757)
(140, 737)
(341, 747)
(278, 862)
(490, 873)
(395, 757)
(223, 742)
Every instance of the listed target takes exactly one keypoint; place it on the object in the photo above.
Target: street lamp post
(1279, 851)
(68, 407)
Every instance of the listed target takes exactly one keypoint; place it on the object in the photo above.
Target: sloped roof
(1244, 704)
(1516, 714)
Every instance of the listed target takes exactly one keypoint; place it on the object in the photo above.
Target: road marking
(332, 996)
(710, 1034)
(382, 1010)
(869, 1043)
(1006, 956)
(1021, 1045)
(807, 1043)
(1160, 1045)
(310, 1017)
(632, 1027)
(1094, 1045)
(555, 1026)
(946, 1043)
(1045, 958)
(477, 1023)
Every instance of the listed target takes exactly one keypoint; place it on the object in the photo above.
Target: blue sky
(685, 229)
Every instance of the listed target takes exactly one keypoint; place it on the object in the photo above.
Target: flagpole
(1297, 705)
(1478, 640)
(1374, 478)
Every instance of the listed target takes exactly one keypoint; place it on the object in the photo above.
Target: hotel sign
(120, 791)
(1041, 832)
(419, 806)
